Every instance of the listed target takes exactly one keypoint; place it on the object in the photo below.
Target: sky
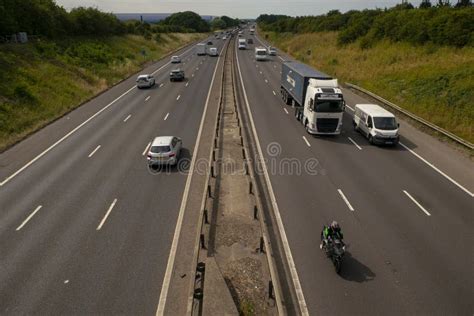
(232, 8)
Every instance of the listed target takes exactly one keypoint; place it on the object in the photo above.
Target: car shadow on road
(354, 270)
(181, 167)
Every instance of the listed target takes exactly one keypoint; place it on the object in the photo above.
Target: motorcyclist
(330, 233)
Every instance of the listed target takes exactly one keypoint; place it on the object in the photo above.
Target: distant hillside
(151, 17)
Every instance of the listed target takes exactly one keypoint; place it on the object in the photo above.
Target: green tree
(187, 20)
(218, 24)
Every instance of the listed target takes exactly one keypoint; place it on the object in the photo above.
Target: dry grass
(436, 83)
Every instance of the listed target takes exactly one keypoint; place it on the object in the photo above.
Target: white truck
(242, 43)
(317, 99)
(201, 49)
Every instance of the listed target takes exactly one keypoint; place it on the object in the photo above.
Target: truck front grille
(327, 125)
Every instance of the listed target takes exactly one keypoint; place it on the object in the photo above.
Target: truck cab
(323, 107)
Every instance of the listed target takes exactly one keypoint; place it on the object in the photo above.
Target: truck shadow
(354, 270)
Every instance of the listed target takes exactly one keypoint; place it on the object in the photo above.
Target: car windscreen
(261, 52)
(331, 106)
(385, 123)
(160, 149)
(142, 79)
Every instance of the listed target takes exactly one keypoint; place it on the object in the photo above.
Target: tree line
(441, 24)
(46, 18)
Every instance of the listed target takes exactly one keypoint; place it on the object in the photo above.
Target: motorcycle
(335, 250)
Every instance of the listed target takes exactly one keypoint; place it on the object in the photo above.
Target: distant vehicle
(224, 37)
(177, 75)
(249, 41)
(261, 54)
(201, 49)
(272, 51)
(252, 30)
(376, 123)
(210, 43)
(242, 44)
(240, 32)
(317, 98)
(240, 35)
(175, 59)
(165, 150)
(145, 81)
(213, 51)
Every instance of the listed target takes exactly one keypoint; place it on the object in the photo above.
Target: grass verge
(433, 82)
(41, 81)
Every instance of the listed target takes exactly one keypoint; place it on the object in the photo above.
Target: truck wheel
(355, 126)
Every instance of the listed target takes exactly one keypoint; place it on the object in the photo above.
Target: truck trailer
(317, 99)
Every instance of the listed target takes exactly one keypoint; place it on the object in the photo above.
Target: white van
(261, 53)
(376, 123)
(242, 43)
(213, 51)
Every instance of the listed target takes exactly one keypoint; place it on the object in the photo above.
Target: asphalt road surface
(408, 226)
(86, 228)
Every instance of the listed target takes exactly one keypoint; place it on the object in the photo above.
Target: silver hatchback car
(165, 150)
(145, 81)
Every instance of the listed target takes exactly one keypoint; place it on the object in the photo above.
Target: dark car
(249, 41)
(177, 75)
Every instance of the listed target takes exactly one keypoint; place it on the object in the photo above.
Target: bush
(24, 95)
(440, 25)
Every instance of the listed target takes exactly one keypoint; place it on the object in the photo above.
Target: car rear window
(160, 149)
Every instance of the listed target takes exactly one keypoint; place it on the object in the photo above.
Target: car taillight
(172, 154)
(148, 156)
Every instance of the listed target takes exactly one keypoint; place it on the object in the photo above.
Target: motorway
(409, 226)
(85, 228)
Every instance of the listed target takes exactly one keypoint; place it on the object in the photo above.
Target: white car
(165, 150)
(175, 60)
(145, 81)
(224, 37)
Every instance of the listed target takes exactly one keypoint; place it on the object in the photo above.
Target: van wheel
(371, 140)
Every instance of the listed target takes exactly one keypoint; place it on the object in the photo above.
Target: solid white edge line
(345, 200)
(174, 246)
(307, 143)
(76, 129)
(166, 116)
(352, 141)
(437, 170)
(93, 152)
(29, 217)
(286, 245)
(416, 202)
(286, 111)
(146, 148)
(147, 98)
(106, 214)
(126, 119)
